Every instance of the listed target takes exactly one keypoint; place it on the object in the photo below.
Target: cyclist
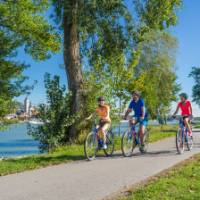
(140, 115)
(103, 113)
(186, 111)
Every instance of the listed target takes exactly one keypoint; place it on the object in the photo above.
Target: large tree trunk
(72, 61)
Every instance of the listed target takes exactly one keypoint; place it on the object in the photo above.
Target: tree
(22, 25)
(195, 74)
(156, 64)
(97, 31)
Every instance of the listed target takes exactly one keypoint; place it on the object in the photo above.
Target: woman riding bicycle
(140, 114)
(103, 113)
(186, 111)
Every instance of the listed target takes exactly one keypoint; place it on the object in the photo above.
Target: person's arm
(142, 109)
(90, 117)
(143, 112)
(127, 113)
(191, 109)
(177, 109)
(93, 115)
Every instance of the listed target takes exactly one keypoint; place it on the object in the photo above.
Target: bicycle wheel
(128, 143)
(91, 146)
(146, 142)
(180, 141)
(110, 143)
(189, 142)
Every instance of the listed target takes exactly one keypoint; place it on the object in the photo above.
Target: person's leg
(105, 128)
(132, 122)
(142, 131)
(187, 124)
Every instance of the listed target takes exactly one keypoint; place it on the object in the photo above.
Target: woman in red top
(186, 110)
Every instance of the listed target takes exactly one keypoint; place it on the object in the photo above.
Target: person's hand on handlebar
(88, 118)
(174, 116)
(124, 118)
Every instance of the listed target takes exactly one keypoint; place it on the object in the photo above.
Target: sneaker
(104, 146)
(142, 148)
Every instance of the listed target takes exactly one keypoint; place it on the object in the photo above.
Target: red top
(185, 108)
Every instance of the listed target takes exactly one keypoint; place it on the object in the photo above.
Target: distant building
(34, 111)
(27, 106)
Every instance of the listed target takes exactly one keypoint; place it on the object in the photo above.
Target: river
(14, 141)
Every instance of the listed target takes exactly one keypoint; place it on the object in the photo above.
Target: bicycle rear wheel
(180, 141)
(146, 142)
(110, 143)
(128, 143)
(91, 146)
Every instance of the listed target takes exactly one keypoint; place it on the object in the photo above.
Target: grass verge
(180, 182)
(69, 153)
(197, 126)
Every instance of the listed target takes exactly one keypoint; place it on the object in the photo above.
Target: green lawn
(197, 126)
(69, 153)
(180, 183)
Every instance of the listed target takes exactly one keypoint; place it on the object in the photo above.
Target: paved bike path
(92, 180)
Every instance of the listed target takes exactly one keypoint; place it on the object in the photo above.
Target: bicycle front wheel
(128, 143)
(110, 143)
(180, 141)
(91, 146)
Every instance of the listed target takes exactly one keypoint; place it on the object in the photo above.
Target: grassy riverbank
(4, 123)
(69, 153)
(182, 182)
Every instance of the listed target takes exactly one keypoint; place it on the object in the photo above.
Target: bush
(55, 115)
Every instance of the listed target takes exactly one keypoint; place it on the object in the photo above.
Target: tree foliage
(22, 24)
(156, 65)
(195, 74)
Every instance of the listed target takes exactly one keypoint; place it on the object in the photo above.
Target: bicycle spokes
(110, 143)
(91, 146)
(128, 143)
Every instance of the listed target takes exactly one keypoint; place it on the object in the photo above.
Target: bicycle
(93, 144)
(131, 139)
(183, 138)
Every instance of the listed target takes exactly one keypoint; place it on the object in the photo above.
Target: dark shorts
(142, 122)
(185, 117)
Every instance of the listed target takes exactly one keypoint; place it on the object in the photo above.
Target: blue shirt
(137, 107)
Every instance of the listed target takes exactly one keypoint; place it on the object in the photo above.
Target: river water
(14, 141)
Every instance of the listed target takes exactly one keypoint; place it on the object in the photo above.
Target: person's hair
(183, 95)
(100, 99)
(136, 92)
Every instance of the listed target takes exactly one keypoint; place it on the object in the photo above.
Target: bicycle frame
(183, 128)
(95, 131)
(135, 134)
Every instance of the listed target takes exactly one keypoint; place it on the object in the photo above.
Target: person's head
(101, 101)
(135, 95)
(183, 97)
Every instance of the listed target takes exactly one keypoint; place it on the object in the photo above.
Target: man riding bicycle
(140, 115)
(103, 113)
(186, 111)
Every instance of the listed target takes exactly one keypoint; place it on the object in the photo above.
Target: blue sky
(187, 32)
